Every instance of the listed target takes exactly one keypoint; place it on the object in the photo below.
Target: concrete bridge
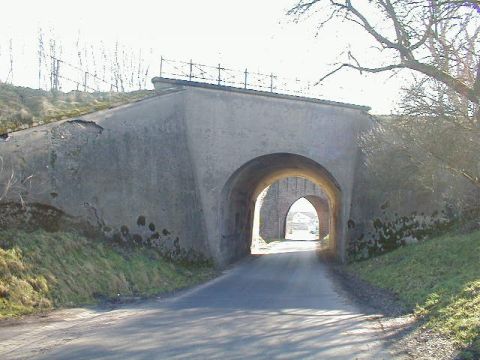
(187, 165)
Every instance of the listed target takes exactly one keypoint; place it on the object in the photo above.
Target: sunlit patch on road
(286, 246)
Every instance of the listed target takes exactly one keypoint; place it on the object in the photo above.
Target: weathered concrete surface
(113, 167)
(322, 208)
(245, 141)
(190, 162)
(277, 306)
(278, 200)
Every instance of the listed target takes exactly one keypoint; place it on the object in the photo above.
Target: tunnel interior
(291, 197)
(244, 186)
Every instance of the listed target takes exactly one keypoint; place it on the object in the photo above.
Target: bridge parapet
(163, 83)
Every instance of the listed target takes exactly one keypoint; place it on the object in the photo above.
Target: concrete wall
(280, 196)
(409, 212)
(191, 162)
(230, 129)
(113, 167)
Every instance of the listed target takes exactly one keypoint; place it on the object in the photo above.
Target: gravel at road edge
(407, 336)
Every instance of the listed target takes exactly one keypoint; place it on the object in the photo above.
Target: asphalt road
(282, 305)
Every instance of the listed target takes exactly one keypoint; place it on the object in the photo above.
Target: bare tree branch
(361, 69)
(416, 25)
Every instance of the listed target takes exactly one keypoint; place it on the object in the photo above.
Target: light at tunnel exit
(302, 221)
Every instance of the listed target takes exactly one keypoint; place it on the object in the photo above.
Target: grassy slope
(41, 270)
(22, 107)
(439, 278)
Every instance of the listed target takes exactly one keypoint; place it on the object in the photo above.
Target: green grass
(22, 107)
(41, 270)
(439, 280)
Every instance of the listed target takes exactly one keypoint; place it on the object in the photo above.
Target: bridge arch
(247, 182)
(322, 208)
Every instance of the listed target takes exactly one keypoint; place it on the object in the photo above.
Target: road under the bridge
(280, 305)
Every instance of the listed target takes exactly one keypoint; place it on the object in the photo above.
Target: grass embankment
(22, 107)
(439, 279)
(41, 270)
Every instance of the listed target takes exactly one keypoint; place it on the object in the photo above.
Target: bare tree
(10, 62)
(90, 66)
(41, 55)
(437, 126)
(407, 31)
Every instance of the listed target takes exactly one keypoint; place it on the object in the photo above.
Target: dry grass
(22, 107)
(41, 270)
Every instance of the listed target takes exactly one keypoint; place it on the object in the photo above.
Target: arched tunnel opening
(301, 222)
(288, 207)
(306, 219)
(244, 186)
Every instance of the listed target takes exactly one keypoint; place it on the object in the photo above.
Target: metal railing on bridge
(223, 76)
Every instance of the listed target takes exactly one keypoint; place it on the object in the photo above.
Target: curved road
(281, 305)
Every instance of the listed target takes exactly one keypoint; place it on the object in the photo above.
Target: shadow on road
(281, 305)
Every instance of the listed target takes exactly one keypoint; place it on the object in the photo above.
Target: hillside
(22, 107)
(439, 280)
(41, 270)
